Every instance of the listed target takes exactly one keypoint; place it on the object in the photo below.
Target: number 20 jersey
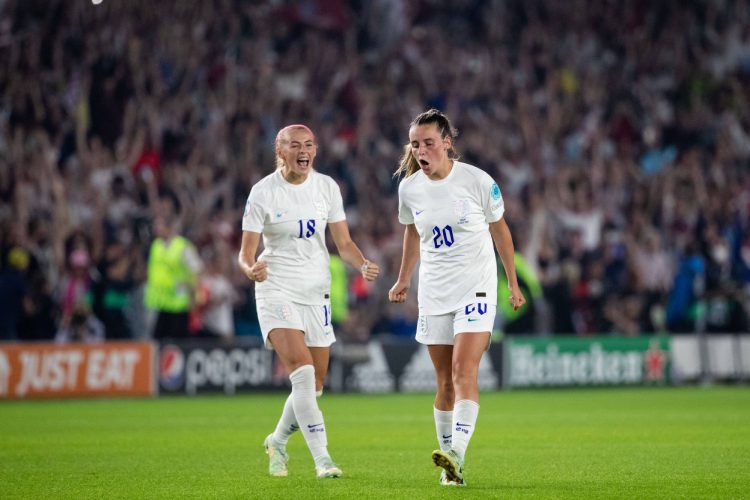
(451, 215)
(293, 219)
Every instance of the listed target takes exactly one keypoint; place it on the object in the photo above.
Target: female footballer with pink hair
(291, 209)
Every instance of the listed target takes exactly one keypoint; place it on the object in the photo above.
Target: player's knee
(464, 376)
(445, 387)
(295, 362)
(318, 393)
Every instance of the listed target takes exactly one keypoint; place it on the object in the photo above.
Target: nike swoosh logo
(473, 319)
(418, 212)
(313, 426)
(462, 425)
(448, 436)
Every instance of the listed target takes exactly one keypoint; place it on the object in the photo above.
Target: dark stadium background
(619, 133)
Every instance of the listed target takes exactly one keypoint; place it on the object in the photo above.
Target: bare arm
(254, 270)
(504, 245)
(409, 258)
(350, 252)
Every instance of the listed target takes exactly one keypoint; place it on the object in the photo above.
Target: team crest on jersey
(495, 191)
(461, 210)
(322, 208)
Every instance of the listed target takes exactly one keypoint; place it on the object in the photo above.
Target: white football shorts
(313, 320)
(439, 329)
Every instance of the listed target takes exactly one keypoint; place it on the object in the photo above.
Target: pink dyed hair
(291, 127)
(277, 143)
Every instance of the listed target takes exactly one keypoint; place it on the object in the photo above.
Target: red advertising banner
(47, 370)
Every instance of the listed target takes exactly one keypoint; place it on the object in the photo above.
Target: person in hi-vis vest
(173, 268)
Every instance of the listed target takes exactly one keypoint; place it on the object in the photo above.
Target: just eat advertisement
(49, 370)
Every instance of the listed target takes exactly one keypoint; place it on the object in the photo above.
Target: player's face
(298, 151)
(160, 228)
(430, 150)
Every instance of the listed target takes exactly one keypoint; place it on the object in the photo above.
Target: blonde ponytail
(408, 165)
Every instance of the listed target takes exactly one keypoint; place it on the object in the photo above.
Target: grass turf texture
(584, 443)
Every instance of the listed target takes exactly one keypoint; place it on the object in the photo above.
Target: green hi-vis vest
(170, 281)
(528, 282)
(339, 290)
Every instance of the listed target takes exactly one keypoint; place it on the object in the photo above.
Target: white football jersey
(293, 221)
(457, 259)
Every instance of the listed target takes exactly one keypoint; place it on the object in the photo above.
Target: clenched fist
(397, 293)
(369, 270)
(258, 271)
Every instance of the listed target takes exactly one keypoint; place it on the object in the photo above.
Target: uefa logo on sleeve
(171, 367)
(495, 191)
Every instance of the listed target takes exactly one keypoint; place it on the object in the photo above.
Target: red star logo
(655, 360)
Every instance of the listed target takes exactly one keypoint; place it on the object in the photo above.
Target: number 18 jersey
(293, 219)
(451, 215)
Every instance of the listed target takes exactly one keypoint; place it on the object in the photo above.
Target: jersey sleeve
(492, 200)
(254, 215)
(336, 212)
(405, 216)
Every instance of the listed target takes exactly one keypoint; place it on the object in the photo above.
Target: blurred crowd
(619, 133)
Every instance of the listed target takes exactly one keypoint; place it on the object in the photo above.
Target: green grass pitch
(582, 443)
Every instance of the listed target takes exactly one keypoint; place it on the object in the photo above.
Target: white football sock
(465, 420)
(287, 423)
(309, 417)
(443, 426)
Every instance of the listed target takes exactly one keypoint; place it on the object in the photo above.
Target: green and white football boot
(452, 465)
(445, 482)
(277, 457)
(328, 469)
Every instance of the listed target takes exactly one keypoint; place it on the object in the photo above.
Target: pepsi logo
(171, 367)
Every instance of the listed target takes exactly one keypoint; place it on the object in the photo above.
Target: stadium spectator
(220, 296)
(641, 107)
(173, 270)
(14, 262)
(291, 209)
(515, 319)
(81, 327)
(453, 213)
(78, 276)
(118, 271)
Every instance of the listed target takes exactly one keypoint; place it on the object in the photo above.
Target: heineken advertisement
(558, 361)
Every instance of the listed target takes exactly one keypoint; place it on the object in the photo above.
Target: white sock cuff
(467, 402)
(442, 415)
(301, 373)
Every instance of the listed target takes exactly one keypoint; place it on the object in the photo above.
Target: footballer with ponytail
(409, 163)
(453, 213)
